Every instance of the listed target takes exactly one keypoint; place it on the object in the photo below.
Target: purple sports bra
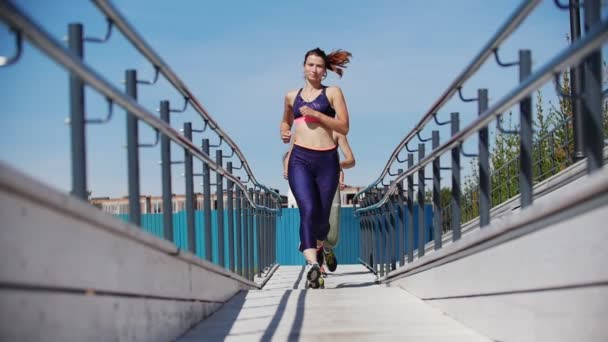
(320, 104)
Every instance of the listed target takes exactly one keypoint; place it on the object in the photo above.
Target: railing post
(421, 194)
(437, 194)
(456, 209)
(525, 133)
(230, 211)
(251, 237)
(410, 210)
(390, 226)
(576, 84)
(262, 233)
(258, 234)
(207, 204)
(246, 257)
(381, 243)
(77, 119)
(593, 114)
(133, 152)
(165, 153)
(188, 166)
(219, 198)
(369, 228)
(239, 232)
(401, 242)
(484, 163)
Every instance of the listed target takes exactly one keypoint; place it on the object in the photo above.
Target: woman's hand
(286, 136)
(341, 185)
(307, 111)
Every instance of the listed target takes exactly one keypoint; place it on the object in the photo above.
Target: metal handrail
(140, 44)
(508, 27)
(571, 55)
(15, 18)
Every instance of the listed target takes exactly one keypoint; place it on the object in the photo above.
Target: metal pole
(576, 83)
(188, 165)
(239, 240)
(437, 194)
(484, 163)
(77, 120)
(456, 210)
(525, 133)
(421, 235)
(230, 210)
(401, 242)
(410, 209)
(165, 153)
(246, 259)
(133, 152)
(390, 241)
(593, 114)
(207, 204)
(219, 198)
(258, 234)
(250, 259)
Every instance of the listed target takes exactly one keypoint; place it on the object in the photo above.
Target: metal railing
(558, 145)
(386, 207)
(255, 208)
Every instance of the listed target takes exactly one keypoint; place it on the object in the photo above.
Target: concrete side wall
(540, 275)
(69, 272)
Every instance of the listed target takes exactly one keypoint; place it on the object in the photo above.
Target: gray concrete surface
(351, 307)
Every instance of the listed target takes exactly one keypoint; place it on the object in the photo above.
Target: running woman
(313, 170)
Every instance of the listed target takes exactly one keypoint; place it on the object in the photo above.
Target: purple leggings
(313, 179)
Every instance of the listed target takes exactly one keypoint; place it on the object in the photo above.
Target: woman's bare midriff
(313, 135)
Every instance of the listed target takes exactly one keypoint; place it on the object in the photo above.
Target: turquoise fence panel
(288, 238)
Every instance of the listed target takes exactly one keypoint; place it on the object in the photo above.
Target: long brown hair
(336, 61)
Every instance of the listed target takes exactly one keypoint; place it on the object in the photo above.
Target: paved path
(351, 308)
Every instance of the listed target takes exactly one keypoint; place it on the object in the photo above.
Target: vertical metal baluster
(188, 166)
(133, 152)
(421, 230)
(593, 101)
(437, 194)
(258, 234)
(576, 87)
(410, 209)
(77, 119)
(219, 198)
(484, 163)
(251, 238)
(525, 133)
(456, 192)
(239, 233)
(207, 204)
(230, 211)
(401, 242)
(165, 153)
(246, 257)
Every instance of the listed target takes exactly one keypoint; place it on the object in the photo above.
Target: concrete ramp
(351, 307)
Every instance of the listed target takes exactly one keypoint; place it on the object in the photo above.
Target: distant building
(154, 204)
(347, 196)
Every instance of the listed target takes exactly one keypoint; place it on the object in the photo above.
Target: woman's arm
(349, 157)
(286, 161)
(287, 121)
(340, 123)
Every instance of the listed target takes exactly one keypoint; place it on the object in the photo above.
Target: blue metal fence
(287, 240)
(153, 223)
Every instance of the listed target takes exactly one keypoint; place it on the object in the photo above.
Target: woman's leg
(303, 187)
(327, 184)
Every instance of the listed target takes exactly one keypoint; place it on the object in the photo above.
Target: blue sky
(240, 57)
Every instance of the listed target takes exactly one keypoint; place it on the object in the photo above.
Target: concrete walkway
(351, 307)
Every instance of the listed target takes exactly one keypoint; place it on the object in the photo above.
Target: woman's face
(314, 68)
